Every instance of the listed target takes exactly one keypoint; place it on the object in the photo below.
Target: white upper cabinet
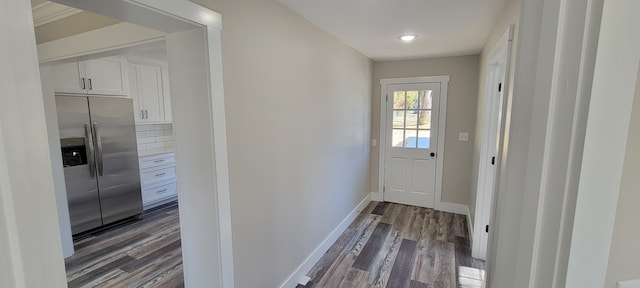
(107, 76)
(149, 88)
(104, 76)
(67, 78)
(166, 92)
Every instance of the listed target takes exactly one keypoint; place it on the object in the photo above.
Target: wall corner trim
(469, 227)
(306, 265)
(48, 12)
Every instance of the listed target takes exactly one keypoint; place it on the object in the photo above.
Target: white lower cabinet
(159, 194)
(158, 179)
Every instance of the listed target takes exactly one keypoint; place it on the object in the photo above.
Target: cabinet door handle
(158, 161)
(141, 114)
(161, 191)
(99, 146)
(161, 174)
(90, 86)
(84, 86)
(146, 114)
(88, 140)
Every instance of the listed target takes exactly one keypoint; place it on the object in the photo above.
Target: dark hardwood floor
(143, 253)
(393, 245)
(388, 245)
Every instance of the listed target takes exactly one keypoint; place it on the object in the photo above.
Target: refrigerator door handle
(99, 146)
(88, 139)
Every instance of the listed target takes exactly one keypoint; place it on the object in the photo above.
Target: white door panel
(397, 179)
(412, 124)
(419, 181)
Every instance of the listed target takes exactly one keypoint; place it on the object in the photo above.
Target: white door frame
(444, 85)
(493, 117)
(30, 242)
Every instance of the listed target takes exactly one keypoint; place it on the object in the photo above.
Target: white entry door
(412, 132)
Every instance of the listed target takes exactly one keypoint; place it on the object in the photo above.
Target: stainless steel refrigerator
(100, 158)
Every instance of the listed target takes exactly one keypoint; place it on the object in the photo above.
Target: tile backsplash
(154, 138)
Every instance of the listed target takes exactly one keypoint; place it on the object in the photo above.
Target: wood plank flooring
(388, 245)
(398, 246)
(144, 253)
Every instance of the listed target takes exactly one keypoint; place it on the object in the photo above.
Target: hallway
(394, 245)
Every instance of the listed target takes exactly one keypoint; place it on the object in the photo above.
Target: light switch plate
(463, 136)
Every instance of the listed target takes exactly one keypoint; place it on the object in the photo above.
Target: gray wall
(625, 251)
(298, 113)
(461, 116)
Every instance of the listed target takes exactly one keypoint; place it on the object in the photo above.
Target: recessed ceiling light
(408, 37)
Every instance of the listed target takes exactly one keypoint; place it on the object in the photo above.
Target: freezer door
(116, 157)
(80, 176)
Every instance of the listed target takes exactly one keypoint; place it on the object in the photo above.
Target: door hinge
(486, 229)
(500, 87)
(386, 97)
(384, 189)
(493, 160)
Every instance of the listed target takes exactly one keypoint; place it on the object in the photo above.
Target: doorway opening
(496, 85)
(192, 37)
(412, 126)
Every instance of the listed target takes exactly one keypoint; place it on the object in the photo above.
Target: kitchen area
(114, 118)
(118, 163)
(38, 223)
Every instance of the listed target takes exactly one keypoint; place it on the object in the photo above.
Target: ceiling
(373, 27)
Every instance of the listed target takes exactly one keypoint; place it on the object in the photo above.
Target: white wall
(510, 258)
(30, 245)
(543, 144)
(602, 179)
(198, 182)
(51, 115)
(298, 114)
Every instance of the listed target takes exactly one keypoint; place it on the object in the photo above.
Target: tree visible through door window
(412, 119)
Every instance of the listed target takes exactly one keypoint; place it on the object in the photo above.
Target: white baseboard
(470, 227)
(628, 284)
(376, 196)
(307, 264)
(452, 208)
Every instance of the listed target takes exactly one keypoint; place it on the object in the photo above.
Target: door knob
(433, 154)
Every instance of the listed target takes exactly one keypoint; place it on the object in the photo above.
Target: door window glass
(412, 119)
